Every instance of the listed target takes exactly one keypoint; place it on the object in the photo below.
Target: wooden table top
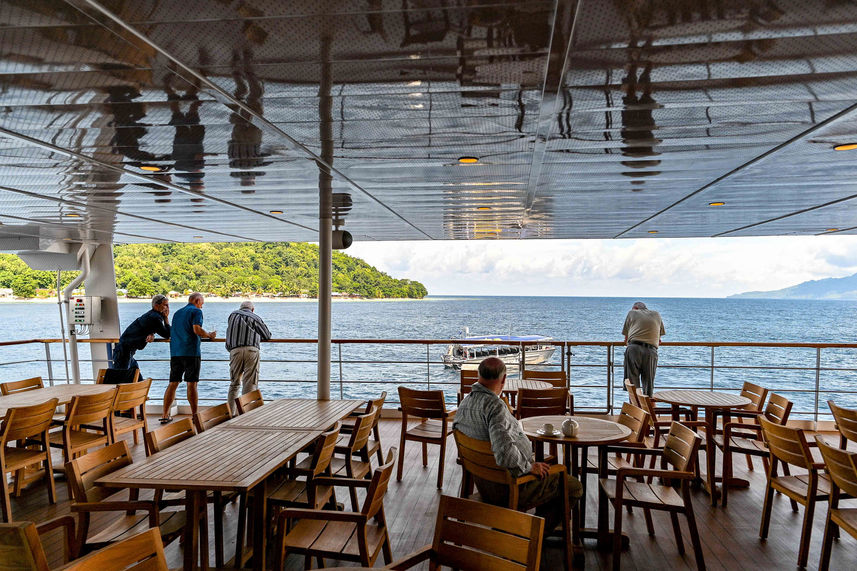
(701, 398)
(512, 385)
(592, 431)
(222, 458)
(63, 393)
(296, 414)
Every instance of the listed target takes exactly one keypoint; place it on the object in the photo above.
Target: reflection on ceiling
(146, 121)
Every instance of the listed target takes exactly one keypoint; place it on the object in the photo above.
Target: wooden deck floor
(729, 536)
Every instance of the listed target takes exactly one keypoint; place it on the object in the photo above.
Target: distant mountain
(829, 288)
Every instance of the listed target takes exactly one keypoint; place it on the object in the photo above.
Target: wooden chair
(13, 387)
(354, 448)
(86, 425)
(211, 417)
(743, 438)
(169, 435)
(130, 397)
(142, 552)
(559, 379)
(466, 379)
(374, 443)
(841, 467)
(249, 401)
(635, 419)
(543, 402)
(477, 461)
(21, 546)
(434, 428)
(789, 446)
(846, 423)
(28, 426)
(473, 535)
(87, 498)
(680, 452)
(349, 536)
(117, 376)
(757, 396)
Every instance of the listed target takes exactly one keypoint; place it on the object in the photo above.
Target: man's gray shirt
(484, 416)
(245, 329)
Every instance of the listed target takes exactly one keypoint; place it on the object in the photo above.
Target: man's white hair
(247, 305)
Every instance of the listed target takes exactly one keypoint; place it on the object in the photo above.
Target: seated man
(484, 416)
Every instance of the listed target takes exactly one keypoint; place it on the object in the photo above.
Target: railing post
(339, 345)
(817, 379)
(48, 361)
(428, 367)
(610, 378)
(712, 368)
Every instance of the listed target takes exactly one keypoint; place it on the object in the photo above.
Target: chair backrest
(89, 409)
(211, 416)
(841, 466)
(362, 430)
(466, 379)
(778, 408)
(117, 376)
(787, 444)
(423, 404)
(756, 394)
(249, 401)
(169, 435)
(681, 447)
(473, 535)
(83, 471)
(633, 395)
(26, 422)
(647, 403)
(846, 420)
(325, 445)
(543, 402)
(555, 378)
(20, 386)
(374, 501)
(131, 395)
(377, 403)
(477, 459)
(636, 419)
(142, 552)
(21, 548)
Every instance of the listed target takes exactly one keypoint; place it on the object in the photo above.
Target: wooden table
(511, 387)
(712, 402)
(64, 393)
(296, 414)
(225, 459)
(592, 432)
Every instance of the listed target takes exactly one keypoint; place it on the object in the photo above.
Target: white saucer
(541, 432)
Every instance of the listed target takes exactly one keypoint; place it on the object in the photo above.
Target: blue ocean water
(367, 369)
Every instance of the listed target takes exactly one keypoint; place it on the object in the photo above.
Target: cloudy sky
(705, 267)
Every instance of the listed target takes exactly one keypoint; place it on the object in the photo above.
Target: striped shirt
(245, 329)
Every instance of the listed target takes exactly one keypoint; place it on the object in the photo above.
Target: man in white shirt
(642, 330)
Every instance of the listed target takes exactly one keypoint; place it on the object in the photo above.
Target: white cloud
(705, 267)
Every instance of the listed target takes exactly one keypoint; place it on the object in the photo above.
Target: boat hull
(534, 356)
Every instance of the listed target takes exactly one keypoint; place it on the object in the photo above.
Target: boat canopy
(507, 338)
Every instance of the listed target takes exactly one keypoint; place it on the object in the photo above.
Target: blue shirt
(183, 341)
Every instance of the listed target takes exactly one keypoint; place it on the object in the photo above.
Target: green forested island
(224, 269)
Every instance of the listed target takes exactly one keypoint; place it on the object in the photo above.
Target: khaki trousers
(243, 372)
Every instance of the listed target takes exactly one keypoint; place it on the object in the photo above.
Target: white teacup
(547, 428)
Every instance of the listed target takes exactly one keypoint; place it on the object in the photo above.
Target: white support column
(325, 237)
(102, 282)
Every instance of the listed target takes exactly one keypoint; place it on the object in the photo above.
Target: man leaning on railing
(244, 331)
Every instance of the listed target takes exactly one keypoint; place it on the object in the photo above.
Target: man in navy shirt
(185, 357)
(141, 332)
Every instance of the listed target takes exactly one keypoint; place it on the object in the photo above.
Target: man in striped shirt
(244, 331)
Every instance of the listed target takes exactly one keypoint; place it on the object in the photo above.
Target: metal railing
(807, 373)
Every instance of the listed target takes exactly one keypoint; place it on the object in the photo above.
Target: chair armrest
(625, 449)
(624, 473)
(450, 412)
(69, 537)
(343, 482)
(411, 559)
(326, 515)
(730, 426)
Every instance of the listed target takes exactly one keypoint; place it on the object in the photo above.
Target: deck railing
(807, 373)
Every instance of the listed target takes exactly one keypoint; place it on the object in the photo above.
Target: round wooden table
(592, 432)
(711, 402)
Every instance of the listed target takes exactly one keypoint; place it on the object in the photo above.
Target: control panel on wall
(85, 310)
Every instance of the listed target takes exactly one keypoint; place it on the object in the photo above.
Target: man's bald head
(492, 373)
(639, 305)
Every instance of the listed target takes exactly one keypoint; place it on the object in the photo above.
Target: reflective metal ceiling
(589, 119)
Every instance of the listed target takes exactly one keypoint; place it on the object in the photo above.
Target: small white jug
(570, 427)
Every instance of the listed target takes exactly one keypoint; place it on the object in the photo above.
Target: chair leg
(677, 532)
(694, 534)
(7, 501)
(401, 463)
(617, 536)
(441, 463)
(377, 433)
(806, 533)
(425, 454)
(749, 462)
(766, 512)
(727, 473)
(827, 543)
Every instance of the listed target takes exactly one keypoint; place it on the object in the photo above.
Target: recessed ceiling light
(845, 147)
(415, 56)
(653, 231)
(417, 106)
(483, 208)
(416, 83)
(832, 230)
(150, 168)
(73, 215)
(197, 236)
(716, 203)
(276, 211)
(468, 160)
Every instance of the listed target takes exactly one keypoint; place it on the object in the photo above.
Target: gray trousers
(243, 372)
(641, 362)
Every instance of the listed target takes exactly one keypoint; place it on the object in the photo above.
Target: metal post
(48, 361)
(339, 346)
(609, 379)
(817, 378)
(428, 367)
(712, 368)
(325, 238)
